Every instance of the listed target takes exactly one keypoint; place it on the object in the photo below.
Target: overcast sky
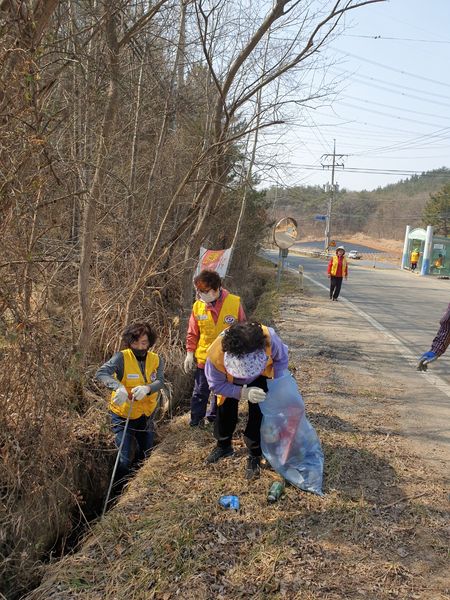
(392, 114)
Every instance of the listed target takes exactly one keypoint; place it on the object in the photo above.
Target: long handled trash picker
(117, 458)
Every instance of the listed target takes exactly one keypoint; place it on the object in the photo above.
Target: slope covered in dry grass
(379, 533)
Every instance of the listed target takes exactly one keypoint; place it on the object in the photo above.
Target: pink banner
(214, 260)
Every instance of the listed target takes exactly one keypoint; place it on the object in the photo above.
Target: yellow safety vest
(215, 355)
(210, 330)
(132, 376)
(334, 266)
(415, 257)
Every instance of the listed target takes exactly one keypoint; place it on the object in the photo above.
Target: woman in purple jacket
(440, 343)
(238, 364)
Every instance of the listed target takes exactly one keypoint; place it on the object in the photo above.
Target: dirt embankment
(392, 247)
(379, 533)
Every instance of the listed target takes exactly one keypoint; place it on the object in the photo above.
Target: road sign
(320, 218)
(332, 243)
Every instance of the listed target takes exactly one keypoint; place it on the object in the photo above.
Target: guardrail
(312, 253)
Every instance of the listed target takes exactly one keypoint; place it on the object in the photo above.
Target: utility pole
(331, 188)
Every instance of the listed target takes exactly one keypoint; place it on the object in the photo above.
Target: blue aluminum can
(231, 502)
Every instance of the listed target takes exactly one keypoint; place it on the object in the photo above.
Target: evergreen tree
(437, 211)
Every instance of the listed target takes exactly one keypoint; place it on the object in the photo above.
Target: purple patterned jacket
(442, 339)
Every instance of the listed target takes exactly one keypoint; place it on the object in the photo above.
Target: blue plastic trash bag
(288, 440)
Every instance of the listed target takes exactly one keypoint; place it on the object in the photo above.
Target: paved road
(407, 305)
(318, 245)
(374, 260)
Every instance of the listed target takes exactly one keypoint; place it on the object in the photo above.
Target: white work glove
(188, 362)
(140, 391)
(120, 396)
(254, 395)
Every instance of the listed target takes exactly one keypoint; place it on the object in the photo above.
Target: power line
(384, 114)
(377, 171)
(402, 109)
(383, 37)
(373, 62)
(408, 144)
(364, 79)
(356, 121)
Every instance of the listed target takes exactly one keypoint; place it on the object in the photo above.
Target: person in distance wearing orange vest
(214, 310)
(337, 270)
(135, 375)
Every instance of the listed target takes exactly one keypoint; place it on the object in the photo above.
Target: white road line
(403, 350)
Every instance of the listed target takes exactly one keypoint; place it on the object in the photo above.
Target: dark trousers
(335, 286)
(413, 266)
(227, 416)
(140, 433)
(199, 400)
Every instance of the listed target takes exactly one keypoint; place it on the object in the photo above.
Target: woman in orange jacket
(337, 270)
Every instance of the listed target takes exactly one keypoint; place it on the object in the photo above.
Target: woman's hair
(134, 331)
(243, 338)
(210, 278)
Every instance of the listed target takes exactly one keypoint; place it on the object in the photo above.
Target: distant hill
(383, 212)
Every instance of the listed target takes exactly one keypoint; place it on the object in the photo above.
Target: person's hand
(254, 395)
(120, 396)
(140, 391)
(426, 358)
(329, 276)
(188, 362)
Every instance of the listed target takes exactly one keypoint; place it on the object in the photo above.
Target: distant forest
(382, 213)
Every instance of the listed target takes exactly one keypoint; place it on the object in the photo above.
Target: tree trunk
(96, 191)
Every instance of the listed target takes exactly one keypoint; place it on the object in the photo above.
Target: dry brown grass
(380, 532)
(43, 440)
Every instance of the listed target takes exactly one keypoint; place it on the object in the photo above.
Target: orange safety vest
(216, 354)
(208, 329)
(132, 376)
(335, 264)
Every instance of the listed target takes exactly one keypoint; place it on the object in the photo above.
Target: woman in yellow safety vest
(214, 310)
(415, 254)
(135, 375)
(337, 270)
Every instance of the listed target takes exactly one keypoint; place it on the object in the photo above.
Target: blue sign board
(320, 218)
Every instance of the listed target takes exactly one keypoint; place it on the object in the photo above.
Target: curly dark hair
(134, 331)
(210, 278)
(243, 338)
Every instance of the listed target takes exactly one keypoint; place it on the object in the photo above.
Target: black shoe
(199, 424)
(253, 468)
(219, 453)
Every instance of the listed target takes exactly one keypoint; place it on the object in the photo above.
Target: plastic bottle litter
(275, 492)
(231, 502)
